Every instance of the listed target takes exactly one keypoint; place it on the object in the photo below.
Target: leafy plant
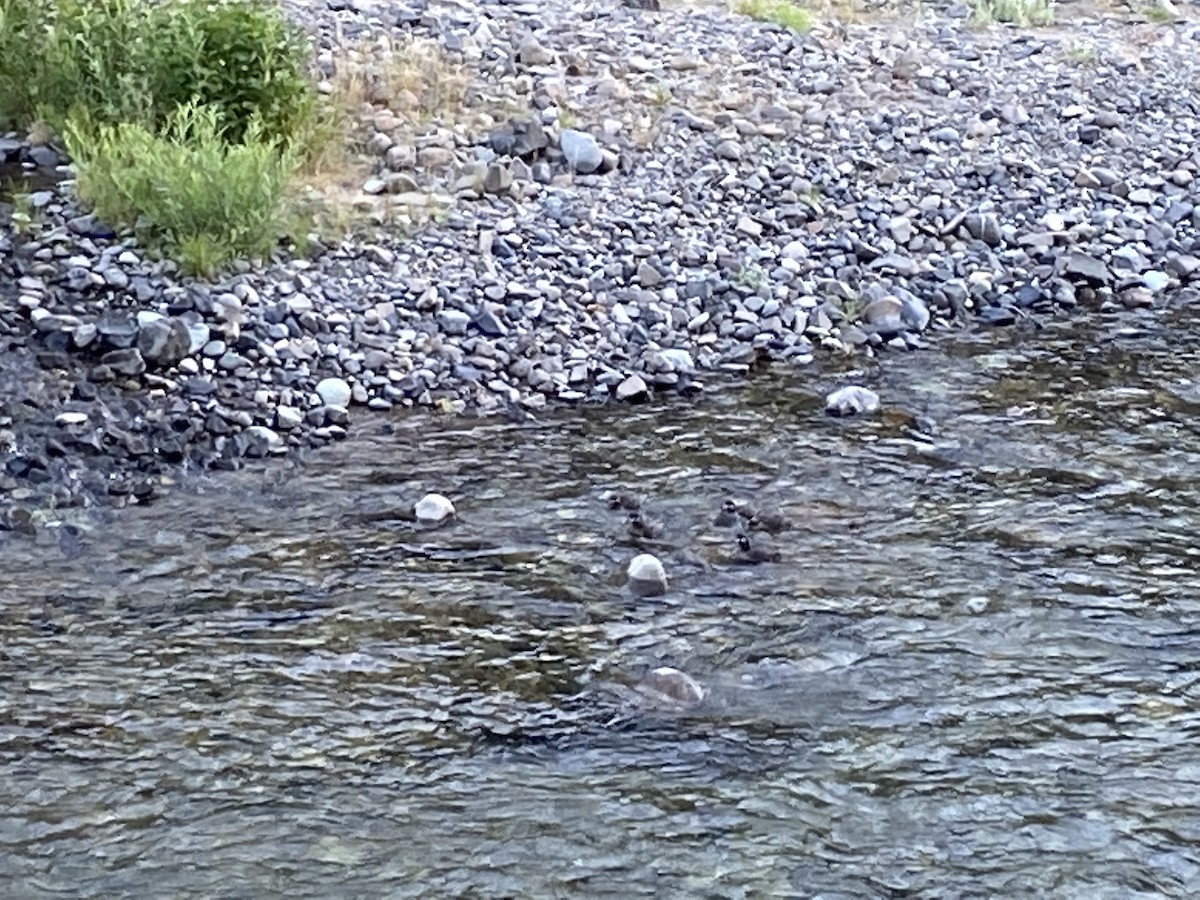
(240, 58)
(750, 275)
(137, 61)
(186, 191)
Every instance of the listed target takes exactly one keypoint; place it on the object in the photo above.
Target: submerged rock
(672, 685)
(852, 401)
(434, 508)
(647, 577)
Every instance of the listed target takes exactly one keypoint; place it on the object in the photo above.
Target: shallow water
(973, 673)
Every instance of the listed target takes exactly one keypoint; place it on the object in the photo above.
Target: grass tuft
(1082, 53)
(1160, 13)
(781, 12)
(186, 191)
(1023, 13)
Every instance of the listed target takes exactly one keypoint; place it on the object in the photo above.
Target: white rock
(434, 508)
(199, 334)
(852, 400)
(680, 361)
(146, 316)
(632, 388)
(261, 433)
(70, 418)
(287, 418)
(580, 150)
(666, 683)
(647, 575)
(334, 392)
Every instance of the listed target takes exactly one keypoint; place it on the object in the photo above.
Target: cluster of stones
(651, 219)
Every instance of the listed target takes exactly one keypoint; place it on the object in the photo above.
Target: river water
(972, 673)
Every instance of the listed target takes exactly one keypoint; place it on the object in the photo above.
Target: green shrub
(137, 61)
(20, 22)
(240, 57)
(188, 192)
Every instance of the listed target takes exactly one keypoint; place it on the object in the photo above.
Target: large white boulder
(647, 575)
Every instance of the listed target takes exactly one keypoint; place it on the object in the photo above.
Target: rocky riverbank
(614, 202)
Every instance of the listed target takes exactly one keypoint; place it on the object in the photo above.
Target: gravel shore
(618, 202)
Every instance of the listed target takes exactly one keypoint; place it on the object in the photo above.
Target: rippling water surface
(973, 672)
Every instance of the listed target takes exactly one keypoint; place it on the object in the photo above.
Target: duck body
(623, 501)
(749, 552)
(771, 521)
(641, 527)
(729, 515)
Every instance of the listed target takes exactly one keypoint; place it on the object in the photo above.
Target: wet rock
(1081, 266)
(434, 509)
(647, 577)
(884, 314)
(852, 400)
(632, 388)
(666, 684)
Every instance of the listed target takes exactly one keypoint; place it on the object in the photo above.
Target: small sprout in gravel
(1082, 54)
(812, 196)
(750, 275)
(1163, 12)
(24, 218)
(781, 12)
(1024, 13)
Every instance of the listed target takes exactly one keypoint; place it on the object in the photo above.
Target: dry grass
(401, 88)
(413, 78)
(1022, 13)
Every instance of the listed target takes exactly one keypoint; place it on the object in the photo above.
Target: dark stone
(1027, 295)
(124, 362)
(164, 342)
(489, 325)
(998, 315)
(1079, 266)
(117, 331)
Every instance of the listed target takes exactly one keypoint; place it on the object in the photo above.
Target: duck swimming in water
(623, 501)
(729, 514)
(641, 527)
(771, 521)
(754, 553)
